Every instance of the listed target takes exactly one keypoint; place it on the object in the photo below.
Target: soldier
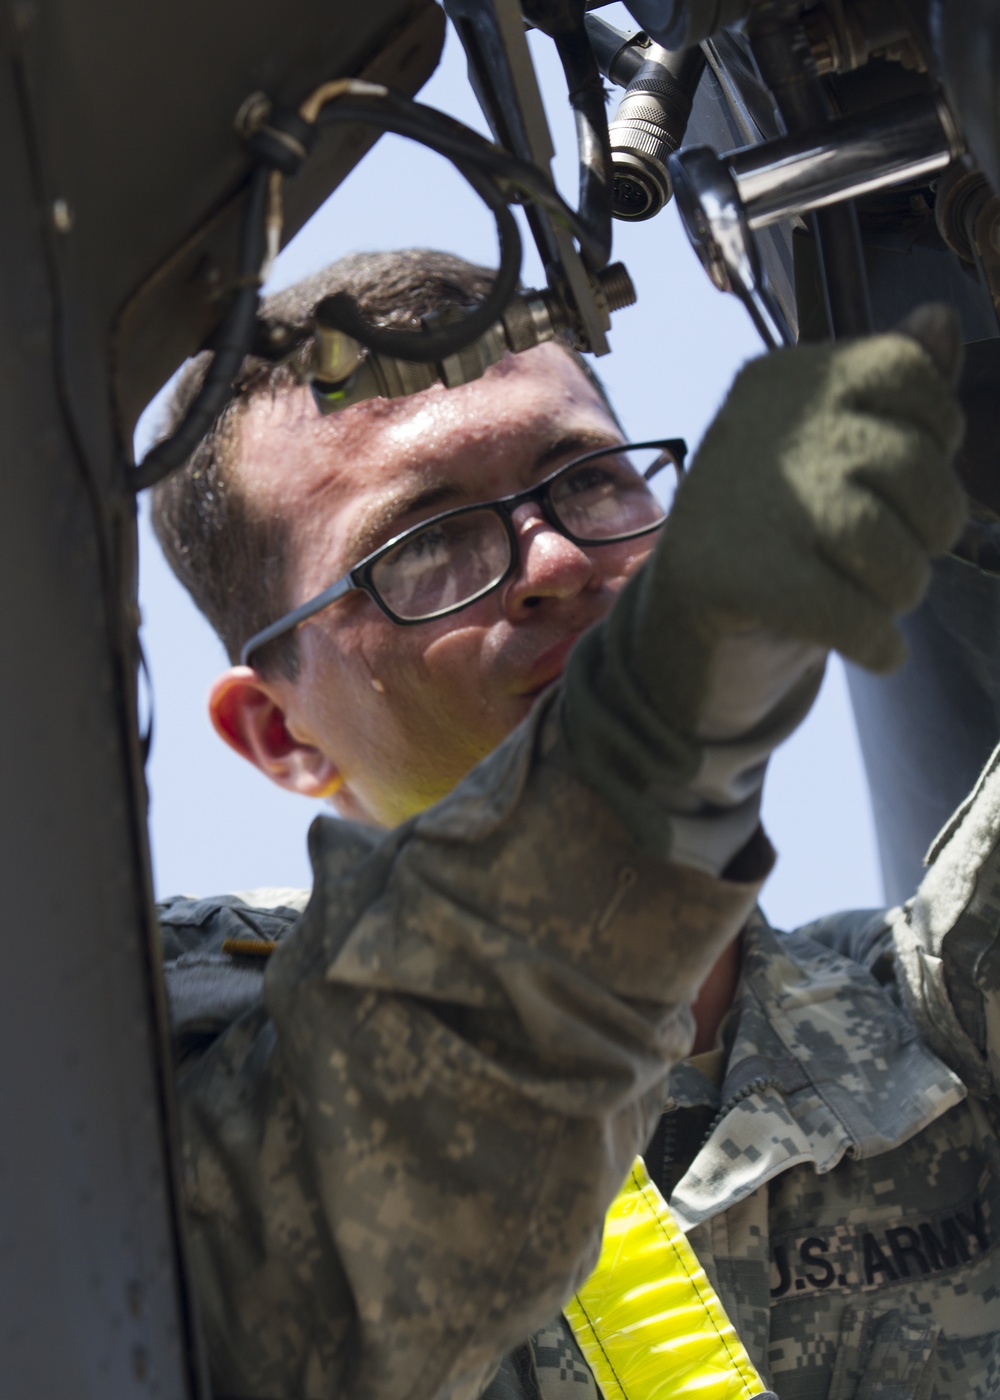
(400, 1138)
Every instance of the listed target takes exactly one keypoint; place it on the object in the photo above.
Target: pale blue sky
(216, 824)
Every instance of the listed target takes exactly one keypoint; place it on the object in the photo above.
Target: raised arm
(948, 940)
(398, 1161)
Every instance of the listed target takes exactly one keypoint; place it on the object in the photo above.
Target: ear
(246, 712)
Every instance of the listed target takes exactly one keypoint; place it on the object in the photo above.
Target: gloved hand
(819, 494)
(807, 522)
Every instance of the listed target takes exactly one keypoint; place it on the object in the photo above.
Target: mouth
(547, 668)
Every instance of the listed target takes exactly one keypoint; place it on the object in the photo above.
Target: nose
(550, 567)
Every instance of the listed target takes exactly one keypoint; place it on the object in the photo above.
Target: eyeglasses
(451, 560)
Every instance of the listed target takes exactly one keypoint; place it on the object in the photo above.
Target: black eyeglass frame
(359, 577)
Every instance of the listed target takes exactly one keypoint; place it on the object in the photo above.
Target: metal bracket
(503, 79)
(710, 208)
(723, 199)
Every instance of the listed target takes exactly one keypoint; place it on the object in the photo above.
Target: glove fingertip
(936, 327)
(882, 651)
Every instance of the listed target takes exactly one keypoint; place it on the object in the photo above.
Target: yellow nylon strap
(648, 1321)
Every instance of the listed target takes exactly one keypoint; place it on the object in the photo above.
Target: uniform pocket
(883, 1355)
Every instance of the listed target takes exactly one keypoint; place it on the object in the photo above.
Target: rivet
(62, 216)
(253, 113)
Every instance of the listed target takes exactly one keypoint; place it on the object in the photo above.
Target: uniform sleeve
(398, 1164)
(694, 797)
(948, 940)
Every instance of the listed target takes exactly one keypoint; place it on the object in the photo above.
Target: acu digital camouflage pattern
(400, 1139)
(391, 1170)
(842, 1185)
(844, 1196)
(845, 1203)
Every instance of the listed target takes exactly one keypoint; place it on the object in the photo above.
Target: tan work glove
(820, 493)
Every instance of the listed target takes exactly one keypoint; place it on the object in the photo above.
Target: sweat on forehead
(284, 450)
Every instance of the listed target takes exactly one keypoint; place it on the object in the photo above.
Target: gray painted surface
(124, 114)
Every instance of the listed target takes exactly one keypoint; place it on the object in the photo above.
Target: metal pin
(62, 216)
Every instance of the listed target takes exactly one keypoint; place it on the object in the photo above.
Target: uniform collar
(823, 1064)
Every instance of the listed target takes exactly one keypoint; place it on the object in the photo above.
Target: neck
(716, 997)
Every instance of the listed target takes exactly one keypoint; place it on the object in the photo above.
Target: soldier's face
(401, 714)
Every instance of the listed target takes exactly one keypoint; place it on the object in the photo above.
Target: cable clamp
(283, 140)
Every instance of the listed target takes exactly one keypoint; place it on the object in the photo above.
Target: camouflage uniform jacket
(846, 1200)
(842, 1187)
(401, 1137)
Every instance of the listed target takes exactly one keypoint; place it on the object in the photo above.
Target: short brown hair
(231, 556)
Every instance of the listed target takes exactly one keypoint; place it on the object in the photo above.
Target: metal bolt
(62, 216)
(253, 113)
(617, 286)
(822, 38)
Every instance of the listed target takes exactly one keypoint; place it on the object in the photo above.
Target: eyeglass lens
(609, 497)
(456, 559)
(444, 566)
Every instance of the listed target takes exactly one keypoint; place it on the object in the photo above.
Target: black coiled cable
(497, 177)
(587, 99)
(450, 138)
(341, 312)
(565, 23)
(229, 345)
